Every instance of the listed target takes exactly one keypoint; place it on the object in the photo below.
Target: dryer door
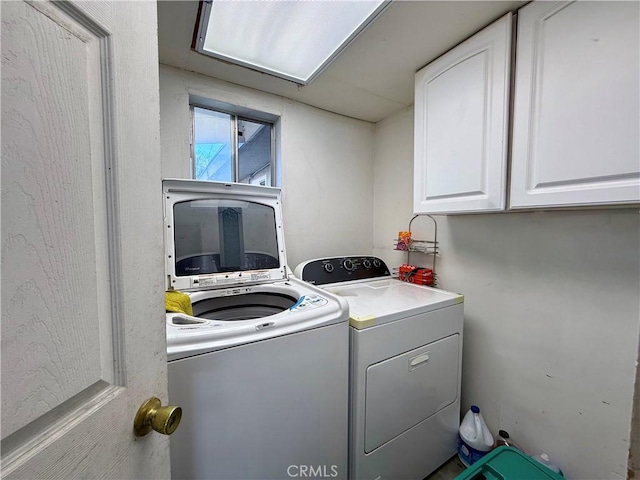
(405, 390)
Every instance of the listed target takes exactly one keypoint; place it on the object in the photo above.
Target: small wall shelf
(422, 246)
(427, 247)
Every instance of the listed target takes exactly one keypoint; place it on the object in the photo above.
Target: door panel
(405, 390)
(82, 319)
(461, 124)
(55, 262)
(576, 116)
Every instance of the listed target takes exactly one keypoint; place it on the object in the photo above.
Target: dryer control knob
(366, 264)
(328, 267)
(348, 265)
(377, 263)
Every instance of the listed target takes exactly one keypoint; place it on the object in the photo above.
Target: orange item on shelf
(404, 240)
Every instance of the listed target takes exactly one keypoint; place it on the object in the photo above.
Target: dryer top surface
(381, 301)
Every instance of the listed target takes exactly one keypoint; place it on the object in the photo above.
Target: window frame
(235, 150)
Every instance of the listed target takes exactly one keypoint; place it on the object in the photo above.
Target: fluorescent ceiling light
(294, 40)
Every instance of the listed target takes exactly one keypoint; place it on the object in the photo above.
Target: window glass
(219, 154)
(254, 152)
(213, 236)
(212, 145)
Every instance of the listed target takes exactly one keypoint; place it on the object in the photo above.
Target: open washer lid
(219, 235)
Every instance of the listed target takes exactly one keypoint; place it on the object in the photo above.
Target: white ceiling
(372, 78)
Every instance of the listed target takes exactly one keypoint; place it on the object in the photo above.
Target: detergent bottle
(544, 459)
(474, 437)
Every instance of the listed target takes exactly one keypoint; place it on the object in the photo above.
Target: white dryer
(405, 368)
(261, 367)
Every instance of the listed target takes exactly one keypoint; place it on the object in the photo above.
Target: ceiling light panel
(294, 40)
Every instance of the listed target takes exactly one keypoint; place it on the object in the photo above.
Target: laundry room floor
(448, 471)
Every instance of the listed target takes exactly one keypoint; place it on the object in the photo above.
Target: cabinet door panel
(454, 130)
(576, 112)
(461, 118)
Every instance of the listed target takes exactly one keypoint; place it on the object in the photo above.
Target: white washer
(261, 368)
(405, 362)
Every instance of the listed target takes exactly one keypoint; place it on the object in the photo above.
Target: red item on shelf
(413, 274)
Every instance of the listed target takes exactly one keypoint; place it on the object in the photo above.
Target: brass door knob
(151, 416)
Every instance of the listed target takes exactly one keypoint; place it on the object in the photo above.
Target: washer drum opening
(243, 307)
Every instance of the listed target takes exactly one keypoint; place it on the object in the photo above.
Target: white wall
(551, 298)
(327, 163)
(552, 313)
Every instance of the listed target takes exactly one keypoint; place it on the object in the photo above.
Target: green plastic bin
(507, 463)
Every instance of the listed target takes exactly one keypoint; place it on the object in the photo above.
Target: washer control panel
(307, 302)
(342, 269)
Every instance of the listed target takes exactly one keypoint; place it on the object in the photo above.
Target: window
(230, 148)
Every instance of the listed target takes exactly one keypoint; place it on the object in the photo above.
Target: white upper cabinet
(576, 128)
(461, 125)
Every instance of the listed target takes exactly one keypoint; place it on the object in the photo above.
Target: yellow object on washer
(177, 302)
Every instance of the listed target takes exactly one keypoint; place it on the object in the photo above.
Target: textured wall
(326, 163)
(551, 313)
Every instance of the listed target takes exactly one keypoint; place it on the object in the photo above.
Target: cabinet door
(461, 119)
(575, 138)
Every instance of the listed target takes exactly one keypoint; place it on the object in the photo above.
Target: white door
(83, 337)
(576, 137)
(461, 125)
